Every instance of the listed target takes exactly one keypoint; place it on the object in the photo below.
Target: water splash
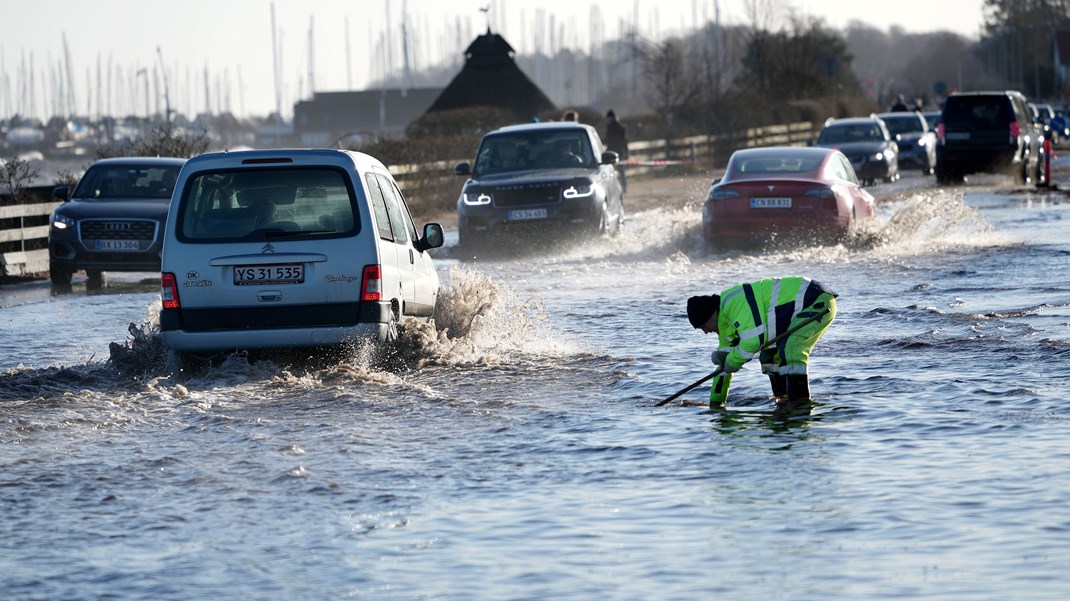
(924, 223)
(479, 320)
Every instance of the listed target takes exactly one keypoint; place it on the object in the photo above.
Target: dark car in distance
(917, 144)
(541, 178)
(988, 132)
(112, 220)
(865, 142)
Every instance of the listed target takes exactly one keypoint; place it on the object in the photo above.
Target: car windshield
(523, 151)
(116, 182)
(855, 132)
(776, 165)
(903, 125)
(266, 204)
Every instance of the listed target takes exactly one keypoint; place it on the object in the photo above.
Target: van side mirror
(462, 169)
(61, 193)
(610, 157)
(433, 237)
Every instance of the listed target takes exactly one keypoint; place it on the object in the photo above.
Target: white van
(291, 248)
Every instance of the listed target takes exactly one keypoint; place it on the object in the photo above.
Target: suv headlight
(578, 191)
(476, 198)
(61, 221)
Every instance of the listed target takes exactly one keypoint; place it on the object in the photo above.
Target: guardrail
(24, 227)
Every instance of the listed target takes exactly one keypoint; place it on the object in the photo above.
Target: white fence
(23, 262)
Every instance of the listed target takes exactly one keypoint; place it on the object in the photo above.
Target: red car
(772, 193)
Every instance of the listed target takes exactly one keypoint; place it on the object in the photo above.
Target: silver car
(291, 248)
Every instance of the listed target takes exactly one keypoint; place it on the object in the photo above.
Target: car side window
(404, 206)
(846, 171)
(393, 209)
(382, 218)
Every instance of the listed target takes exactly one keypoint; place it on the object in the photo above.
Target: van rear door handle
(269, 296)
(412, 260)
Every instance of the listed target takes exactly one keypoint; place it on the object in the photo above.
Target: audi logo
(118, 226)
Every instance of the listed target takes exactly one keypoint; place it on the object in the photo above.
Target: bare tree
(668, 86)
(165, 141)
(17, 174)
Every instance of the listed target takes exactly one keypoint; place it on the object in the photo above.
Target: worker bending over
(747, 316)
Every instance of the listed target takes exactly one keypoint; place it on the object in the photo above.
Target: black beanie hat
(701, 308)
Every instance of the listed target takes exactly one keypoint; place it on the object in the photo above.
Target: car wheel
(395, 320)
(1020, 174)
(603, 221)
(60, 278)
(945, 177)
(852, 225)
(191, 363)
(467, 243)
(96, 279)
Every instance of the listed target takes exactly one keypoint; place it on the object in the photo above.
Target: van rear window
(267, 204)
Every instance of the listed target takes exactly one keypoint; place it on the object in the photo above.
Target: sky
(135, 56)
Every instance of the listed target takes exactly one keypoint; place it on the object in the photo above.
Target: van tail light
(1016, 129)
(941, 133)
(371, 286)
(169, 292)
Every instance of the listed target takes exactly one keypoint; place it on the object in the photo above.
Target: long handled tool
(769, 343)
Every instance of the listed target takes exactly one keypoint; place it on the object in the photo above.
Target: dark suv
(988, 132)
(546, 178)
(112, 221)
(865, 142)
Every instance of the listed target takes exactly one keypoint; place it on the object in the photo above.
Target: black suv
(112, 221)
(547, 178)
(988, 132)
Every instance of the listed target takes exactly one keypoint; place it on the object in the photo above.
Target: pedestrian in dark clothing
(617, 141)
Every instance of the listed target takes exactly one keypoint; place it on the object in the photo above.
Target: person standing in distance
(617, 141)
(746, 316)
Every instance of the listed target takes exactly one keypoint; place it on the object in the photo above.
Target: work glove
(719, 358)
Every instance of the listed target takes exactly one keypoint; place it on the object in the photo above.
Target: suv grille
(125, 229)
(527, 194)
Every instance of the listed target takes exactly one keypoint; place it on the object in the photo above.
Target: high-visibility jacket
(753, 313)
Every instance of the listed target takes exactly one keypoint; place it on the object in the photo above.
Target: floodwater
(514, 452)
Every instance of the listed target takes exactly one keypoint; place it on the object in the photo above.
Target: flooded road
(513, 452)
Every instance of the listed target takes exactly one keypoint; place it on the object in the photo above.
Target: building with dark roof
(491, 77)
(331, 119)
